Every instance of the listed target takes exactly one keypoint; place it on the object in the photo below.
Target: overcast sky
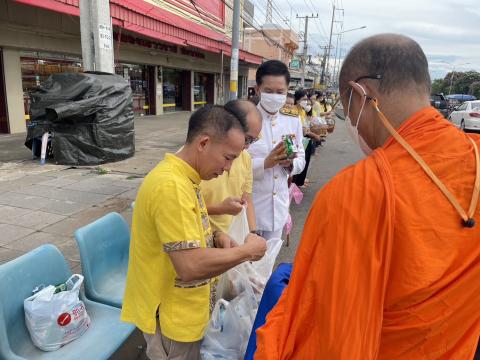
(447, 30)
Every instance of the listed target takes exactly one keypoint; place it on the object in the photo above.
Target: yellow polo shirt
(233, 183)
(169, 215)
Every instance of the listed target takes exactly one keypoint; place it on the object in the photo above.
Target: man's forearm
(206, 263)
(216, 209)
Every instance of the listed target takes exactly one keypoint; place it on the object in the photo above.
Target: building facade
(175, 54)
(272, 43)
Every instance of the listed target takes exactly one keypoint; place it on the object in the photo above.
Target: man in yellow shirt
(227, 194)
(173, 254)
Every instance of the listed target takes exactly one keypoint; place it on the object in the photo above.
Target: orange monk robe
(385, 268)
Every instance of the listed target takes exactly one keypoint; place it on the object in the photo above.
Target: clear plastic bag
(239, 229)
(229, 329)
(54, 320)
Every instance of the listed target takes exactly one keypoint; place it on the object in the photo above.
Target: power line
(265, 36)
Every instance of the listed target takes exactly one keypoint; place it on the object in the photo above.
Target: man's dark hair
(319, 93)
(300, 93)
(213, 120)
(274, 68)
(239, 108)
(397, 61)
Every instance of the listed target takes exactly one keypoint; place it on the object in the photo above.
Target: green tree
(475, 89)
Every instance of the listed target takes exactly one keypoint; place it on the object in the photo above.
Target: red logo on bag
(64, 319)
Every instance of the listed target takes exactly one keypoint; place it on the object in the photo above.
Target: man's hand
(277, 155)
(255, 246)
(287, 164)
(232, 206)
(224, 241)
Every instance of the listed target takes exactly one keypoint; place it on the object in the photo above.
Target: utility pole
(96, 35)
(268, 19)
(305, 46)
(335, 63)
(326, 63)
(234, 58)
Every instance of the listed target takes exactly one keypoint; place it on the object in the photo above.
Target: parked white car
(467, 116)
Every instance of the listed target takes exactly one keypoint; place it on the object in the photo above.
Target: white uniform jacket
(270, 188)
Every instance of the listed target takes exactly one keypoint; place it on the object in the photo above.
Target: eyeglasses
(250, 140)
(372, 77)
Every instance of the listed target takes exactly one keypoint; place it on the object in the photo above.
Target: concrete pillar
(215, 88)
(13, 85)
(158, 90)
(192, 88)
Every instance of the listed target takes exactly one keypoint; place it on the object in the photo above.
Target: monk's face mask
(353, 129)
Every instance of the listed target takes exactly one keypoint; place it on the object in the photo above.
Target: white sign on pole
(105, 35)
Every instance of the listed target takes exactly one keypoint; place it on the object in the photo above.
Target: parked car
(467, 116)
(439, 102)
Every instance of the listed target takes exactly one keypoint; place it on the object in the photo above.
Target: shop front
(203, 89)
(3, 103)
(142, 79)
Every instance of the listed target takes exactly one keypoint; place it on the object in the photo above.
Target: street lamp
(453, 71)
(358, 28)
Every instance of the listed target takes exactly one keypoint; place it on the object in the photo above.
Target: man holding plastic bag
(173, 256)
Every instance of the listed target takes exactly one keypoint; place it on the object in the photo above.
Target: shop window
(172, 90)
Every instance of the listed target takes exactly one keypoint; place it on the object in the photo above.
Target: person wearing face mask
(304, 107)
(271, 167)
(389, 262)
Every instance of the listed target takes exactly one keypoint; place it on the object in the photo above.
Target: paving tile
(68, 226)
(98, 187)
(10, 214)
(69, 249)
(11, 233)
(35, 240)
(62, 194)
(59, 182)
(9, 254)
(130, 194)
(35, 220)
(61, 207)
(23, 201)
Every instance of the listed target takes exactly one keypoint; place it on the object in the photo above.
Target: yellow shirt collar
(185, 168)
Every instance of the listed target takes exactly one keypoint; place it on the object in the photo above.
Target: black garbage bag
(89, 115)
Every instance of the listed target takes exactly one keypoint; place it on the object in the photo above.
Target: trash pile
(88, 119)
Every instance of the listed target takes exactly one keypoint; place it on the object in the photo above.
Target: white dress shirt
(270, 186)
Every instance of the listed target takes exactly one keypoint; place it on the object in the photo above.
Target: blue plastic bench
(46, 265)
(104, 246)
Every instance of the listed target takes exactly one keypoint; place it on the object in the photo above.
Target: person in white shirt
(271, 167)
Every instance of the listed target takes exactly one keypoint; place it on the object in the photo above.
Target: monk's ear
(359, 89)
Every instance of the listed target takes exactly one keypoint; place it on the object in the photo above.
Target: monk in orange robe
(389, 262)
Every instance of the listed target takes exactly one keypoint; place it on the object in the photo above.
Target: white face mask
(307, 108)
(353, 130)
(272, 102)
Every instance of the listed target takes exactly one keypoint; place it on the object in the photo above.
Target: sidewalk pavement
(46, 204)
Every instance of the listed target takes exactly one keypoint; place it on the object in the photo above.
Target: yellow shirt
(237, 181)
(169, 215)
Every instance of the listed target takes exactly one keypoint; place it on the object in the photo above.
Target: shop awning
(159, 24)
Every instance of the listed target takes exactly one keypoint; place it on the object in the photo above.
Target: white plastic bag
(54, 320)
(231, 324)
(257, 273)
(239, 229)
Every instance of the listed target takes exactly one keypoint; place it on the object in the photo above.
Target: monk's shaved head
(398, 59)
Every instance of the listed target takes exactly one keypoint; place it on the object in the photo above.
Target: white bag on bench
(54, 320)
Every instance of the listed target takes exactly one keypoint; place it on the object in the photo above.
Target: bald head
(247, 113)
(399, 60)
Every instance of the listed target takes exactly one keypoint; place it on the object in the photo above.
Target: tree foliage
(461, 83)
